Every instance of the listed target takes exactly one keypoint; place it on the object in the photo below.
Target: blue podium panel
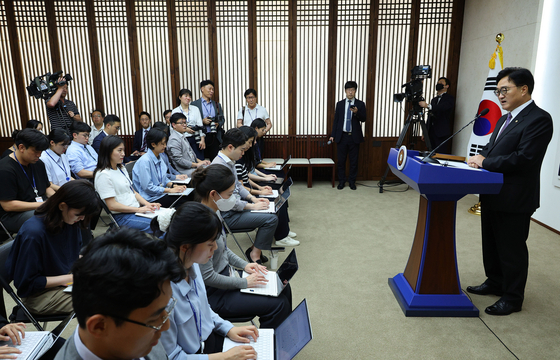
(430, 285)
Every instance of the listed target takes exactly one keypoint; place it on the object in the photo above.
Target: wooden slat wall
(233, 56)
(129, 55)
(9, 108)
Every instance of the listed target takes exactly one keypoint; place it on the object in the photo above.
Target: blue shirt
(181, 341)
(150, 177)
(171, 170)
(81, 157)
(57, 166)
(37, 254)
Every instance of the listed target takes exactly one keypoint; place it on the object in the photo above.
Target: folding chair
(237, 231)
(113, 222)
(20, 313)
(10, 237)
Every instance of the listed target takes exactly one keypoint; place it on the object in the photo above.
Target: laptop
(181, 182)
(37, 343)
(275, 205)
(286, 341)
(277, 280)
(280, 180)
(184, 193)
(279, 167)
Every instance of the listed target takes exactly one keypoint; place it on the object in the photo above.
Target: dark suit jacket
(220, 119)
(439, 118)
(137, 144)
(96, 144)
(518, 153)
(357, 118)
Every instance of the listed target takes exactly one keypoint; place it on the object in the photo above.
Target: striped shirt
(58, 115)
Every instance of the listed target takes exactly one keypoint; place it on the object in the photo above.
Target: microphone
(329, 142)
(429, 159)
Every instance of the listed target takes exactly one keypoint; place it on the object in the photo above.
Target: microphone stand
(429, 159)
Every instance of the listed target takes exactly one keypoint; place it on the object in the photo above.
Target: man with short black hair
(140, 146)
(25, 184)
(439, 116)
(212, 118)
(167, 117)
(347, 133)
(122, 298)
(247, 114)
(180, 151)
(112, 125)
(97, 117)
(81, 156)
(516, 149)
(62, 112)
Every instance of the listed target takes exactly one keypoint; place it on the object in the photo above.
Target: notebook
(277, 280)
(36, 343)
(286, 341)
(279, 167)
(275, 205)
(150, 215)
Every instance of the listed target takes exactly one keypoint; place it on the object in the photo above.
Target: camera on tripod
(44, 86)
(413, 90)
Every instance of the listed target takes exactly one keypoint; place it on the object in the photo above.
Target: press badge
(39, 199)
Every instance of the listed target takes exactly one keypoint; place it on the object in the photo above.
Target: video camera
(44, 86)
(413, 89)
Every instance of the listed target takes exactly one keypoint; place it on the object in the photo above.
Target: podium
(430, 285)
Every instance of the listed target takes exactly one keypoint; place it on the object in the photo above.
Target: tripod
(415, 117)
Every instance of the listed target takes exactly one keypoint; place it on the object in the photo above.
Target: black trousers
(505, 253)
(347, 148)
(212, 146)
(435, 141)
(197, 151)
(232, 303)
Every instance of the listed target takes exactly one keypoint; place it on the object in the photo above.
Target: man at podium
(516, 149)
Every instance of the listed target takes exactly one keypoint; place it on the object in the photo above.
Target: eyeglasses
(168, 311)
(86, 135)
(181, 123)
(504, 90)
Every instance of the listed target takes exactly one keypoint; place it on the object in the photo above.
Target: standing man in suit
(112, 125)
(347, 133)
(439, 116)
(516, 149)
(212, 118)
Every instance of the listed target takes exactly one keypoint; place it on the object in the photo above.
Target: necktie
(505, 125)
(348, 126)
(144, 145)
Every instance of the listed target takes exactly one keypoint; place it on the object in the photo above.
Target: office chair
(20, 313)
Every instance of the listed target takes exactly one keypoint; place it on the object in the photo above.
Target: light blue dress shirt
(150, 177)
(172, 172)
(81, 157)
(181, 341)
(57, 166)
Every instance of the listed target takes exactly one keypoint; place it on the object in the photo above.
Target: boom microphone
(429, 157)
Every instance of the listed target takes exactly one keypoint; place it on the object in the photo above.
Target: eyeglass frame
(501, 91)
(168, 310)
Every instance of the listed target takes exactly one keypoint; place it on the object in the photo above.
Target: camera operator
(212, 118)
(439, 116)
(60, 111)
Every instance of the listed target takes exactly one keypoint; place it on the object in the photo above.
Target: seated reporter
(246, 165)
(214, 187)
(111, 126)
(149, 174)
(55, 159)
(48, 244)
(25, 184)
(180, 150)
(173, 173)
(122, 298)
(114, 187)
(31, 124)
(195, 331)
(254, 180)
(239, 215)
(260, 127)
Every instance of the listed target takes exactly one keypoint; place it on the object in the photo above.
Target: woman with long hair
(114, 186)
(214, 188)
(194, 327)
(194, 134)
(55, 159)
(47, 246)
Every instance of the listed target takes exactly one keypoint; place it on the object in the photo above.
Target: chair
(129, 166)
(6, 231)
(237, 231)
(20, 313)
(113, 222)
(319, 162)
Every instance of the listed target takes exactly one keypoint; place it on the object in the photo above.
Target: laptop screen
(294, 333)
(288, 267)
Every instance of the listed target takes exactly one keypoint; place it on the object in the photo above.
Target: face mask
(226, 204)
(439, 87)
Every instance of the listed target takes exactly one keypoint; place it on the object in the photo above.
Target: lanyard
(85, 147)
(187, 114)
(131, 189)
(197, 319)
(27, 176)
(63, 167)
(208, 107)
